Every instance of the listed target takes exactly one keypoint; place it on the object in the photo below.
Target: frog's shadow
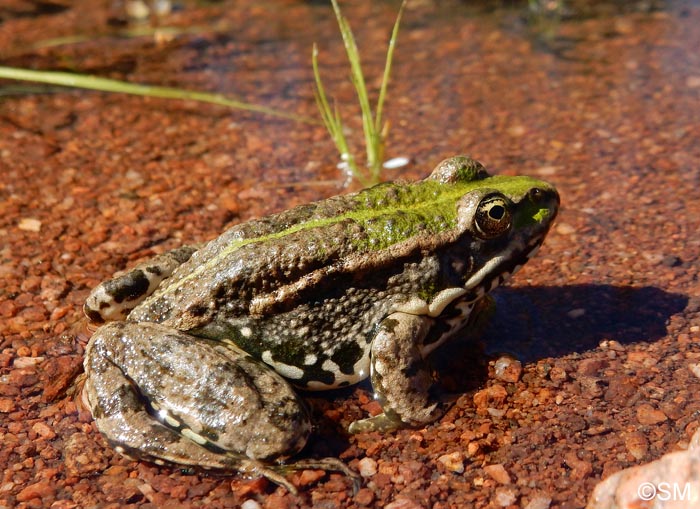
(531, 323)
(537, 322)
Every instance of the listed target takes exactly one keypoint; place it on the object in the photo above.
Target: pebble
(364, 497)
(507, 369)
(250, 504)
(539, 502)
(494, 395)
(694, 369)
(558, 374)
(498, 473)
(505, 496)
(43, 431)
(7, 405)
(454, 462)
(307, 477)
(637, 444)
(403, 503)
(648, 415)
(26, 362)
(37, 490)
(29, 224)
(590, 367)
(367, 467)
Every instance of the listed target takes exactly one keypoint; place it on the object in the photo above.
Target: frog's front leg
(162, 395)
(401, 378)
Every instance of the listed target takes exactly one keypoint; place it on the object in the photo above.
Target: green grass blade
(109, 85)
(332, 120)
(387, 69)
(358, 80)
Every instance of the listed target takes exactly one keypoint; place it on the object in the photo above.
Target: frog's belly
(305, 379)
(317, 355)
(316, 347)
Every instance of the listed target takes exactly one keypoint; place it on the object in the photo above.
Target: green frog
(205, 345)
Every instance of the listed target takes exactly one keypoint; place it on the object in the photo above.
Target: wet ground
(602, 101)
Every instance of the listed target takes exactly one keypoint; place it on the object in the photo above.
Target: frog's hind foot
(113, 299)
(272, 473)
(277, 473)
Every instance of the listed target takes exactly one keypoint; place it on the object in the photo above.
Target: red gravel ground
(604, 321)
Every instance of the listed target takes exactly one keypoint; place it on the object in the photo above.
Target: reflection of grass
(108, 85)
(375, 132)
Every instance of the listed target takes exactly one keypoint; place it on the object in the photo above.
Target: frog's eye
(493, 216)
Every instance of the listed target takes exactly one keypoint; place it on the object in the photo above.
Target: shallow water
(602, 99)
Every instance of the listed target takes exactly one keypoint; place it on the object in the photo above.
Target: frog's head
(501, 220)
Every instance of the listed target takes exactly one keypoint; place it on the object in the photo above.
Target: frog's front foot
(401, 378)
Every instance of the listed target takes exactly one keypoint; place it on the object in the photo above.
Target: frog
(200, 355)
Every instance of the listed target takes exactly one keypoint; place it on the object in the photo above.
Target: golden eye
(493, 216)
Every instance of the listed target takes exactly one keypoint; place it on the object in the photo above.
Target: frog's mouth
(500, 269)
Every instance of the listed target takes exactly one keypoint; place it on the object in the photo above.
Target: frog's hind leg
(113, 299)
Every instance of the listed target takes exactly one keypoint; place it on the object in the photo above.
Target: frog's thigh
(401, 378)
(136, 376)
(124, 422)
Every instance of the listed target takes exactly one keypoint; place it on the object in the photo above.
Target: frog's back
(269, 265)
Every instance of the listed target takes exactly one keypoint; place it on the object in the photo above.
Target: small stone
(505, 497)
(692, 82)
(454, 462)
(473, 448)
(7, 405)
(26, 362)
(557, 374)
(307, 477)
(507, 369)
(37, 490)
(694, 369)
(637, 444)
(41, 429)
(367, 467)
(492, 396)
(365, 496)
(565, 229)
(580, 469)
(591, 367)
(591, 386)
(648, 415)
(611, 344)
(403, 503)
(29, 224)
(546, 170)
(250, 504)
(516, 130)
(539, 502)
(498, 473)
